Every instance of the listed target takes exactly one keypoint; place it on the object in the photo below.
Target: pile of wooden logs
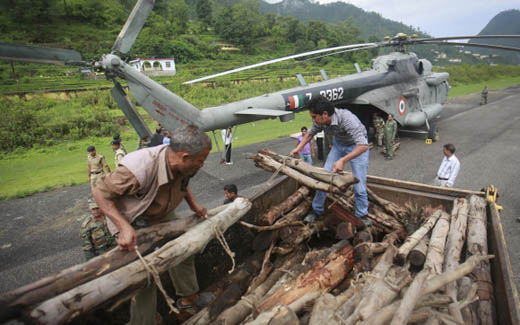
(412, 265)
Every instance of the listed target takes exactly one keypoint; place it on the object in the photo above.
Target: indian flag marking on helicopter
(295, 101)
(401, 106)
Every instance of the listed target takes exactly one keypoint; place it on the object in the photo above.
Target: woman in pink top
(308, 150)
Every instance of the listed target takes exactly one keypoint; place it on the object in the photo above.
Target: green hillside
(369, 23)
(505, 23)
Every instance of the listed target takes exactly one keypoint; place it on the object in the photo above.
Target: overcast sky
(439, 17)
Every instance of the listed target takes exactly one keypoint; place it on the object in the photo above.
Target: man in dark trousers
(157, 137)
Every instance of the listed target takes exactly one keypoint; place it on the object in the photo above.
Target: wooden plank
(506, 295)
(449, 191)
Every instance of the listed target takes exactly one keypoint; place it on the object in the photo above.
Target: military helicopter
(398, 83)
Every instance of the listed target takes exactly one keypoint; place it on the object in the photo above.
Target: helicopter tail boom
(168, 109)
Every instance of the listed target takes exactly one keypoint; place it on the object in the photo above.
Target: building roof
(151, 59)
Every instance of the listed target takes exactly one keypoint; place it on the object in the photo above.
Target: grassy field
(24, 172)
(462, 90)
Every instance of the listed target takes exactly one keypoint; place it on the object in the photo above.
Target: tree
(205, 12)
(316, 30)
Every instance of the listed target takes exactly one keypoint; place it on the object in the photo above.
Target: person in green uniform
(390, 133)
(379, 125)
(95, 237)
(484, 95)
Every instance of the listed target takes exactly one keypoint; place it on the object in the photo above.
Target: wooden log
(377, 214)
(384, 315)
(456, 238)
(477, 245)
(238, 285)
(237, 312)
(298, 236)
(435, 255)
(12, 303)
(323, 310)
(410, 299)
(285, 313)
(271, 165)
(323, 276)
(469, 312)
(86, 297)
(294, 216)
(381, 293)
(417, 255)
(415, 238)
(287, 205)
(378, 272)
(340, 180)
(389, 207)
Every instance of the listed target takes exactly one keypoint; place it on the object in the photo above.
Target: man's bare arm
(127, 239)
(358, 150)
(194, 204)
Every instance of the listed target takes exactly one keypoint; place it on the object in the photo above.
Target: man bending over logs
(144, 190)
(350, 145)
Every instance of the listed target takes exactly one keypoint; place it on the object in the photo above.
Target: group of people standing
(385, 133)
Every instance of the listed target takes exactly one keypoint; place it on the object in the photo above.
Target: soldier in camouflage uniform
(96, 165)
(483, 96)
(379, 125)
(95, 237)
(119, 153)
(390, 133)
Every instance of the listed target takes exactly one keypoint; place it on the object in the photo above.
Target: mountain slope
(505, 23)
(370, 23)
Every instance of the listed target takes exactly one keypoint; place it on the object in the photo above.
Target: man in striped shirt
(350, 145)
(449, 168)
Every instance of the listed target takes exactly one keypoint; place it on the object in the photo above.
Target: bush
(41, 121)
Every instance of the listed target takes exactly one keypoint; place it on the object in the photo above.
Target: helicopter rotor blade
(48, 55)
(463, 37)
(133, 26)
(295, 56)
(129, 110)
(487, 46)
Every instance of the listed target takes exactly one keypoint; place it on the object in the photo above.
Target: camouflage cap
(92, 204)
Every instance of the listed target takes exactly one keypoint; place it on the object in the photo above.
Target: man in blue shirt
(350, 145)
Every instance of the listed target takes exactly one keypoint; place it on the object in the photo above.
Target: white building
(155, 67)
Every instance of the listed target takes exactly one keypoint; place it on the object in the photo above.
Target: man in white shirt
(449, 168)
(227, 138)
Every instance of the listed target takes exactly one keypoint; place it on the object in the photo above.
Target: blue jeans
(307, 157)
(359, 169)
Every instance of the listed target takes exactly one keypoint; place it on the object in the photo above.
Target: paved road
(39, 234)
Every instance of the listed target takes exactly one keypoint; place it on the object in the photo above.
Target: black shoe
(365, 223)
(311, 217)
